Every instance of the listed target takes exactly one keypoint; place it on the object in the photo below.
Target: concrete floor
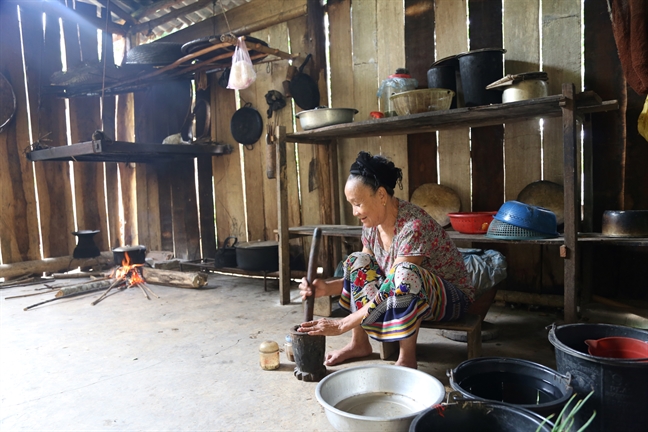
(189, 360)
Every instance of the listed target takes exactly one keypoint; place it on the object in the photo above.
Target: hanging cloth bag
(242, 74)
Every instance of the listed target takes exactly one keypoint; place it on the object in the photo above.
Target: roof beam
(121, 13)
(145, 11)
(175, 13)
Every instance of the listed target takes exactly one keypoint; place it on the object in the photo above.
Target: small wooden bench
(470, 323)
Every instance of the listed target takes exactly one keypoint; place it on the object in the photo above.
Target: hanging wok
(304, 89)
(246, 125)
(8, 105)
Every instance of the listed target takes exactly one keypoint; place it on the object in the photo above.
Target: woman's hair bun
(377, 171)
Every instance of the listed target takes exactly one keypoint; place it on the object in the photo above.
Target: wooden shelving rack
(567, 105)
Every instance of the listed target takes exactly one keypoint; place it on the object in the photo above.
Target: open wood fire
(128, 275)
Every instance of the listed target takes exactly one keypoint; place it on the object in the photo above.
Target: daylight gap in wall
(541, 121)
(200, 233)
(30, 129)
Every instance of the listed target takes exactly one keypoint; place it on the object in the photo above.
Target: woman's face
(367, 205)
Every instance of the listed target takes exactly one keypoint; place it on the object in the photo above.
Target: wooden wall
(368, 39)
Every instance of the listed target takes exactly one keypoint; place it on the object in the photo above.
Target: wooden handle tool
(312, 272)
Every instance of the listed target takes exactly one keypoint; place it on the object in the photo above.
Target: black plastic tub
(482, 416)
(620, 385)
(478, 69)
(522, 383)
(443, 76)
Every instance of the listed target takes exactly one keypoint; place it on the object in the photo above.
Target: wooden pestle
(311, 273)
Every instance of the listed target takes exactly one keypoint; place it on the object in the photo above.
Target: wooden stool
(470, 323)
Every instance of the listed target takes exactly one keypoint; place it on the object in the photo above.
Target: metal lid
(257, 244)
(269, 346)
(129, 248)
(85, 232)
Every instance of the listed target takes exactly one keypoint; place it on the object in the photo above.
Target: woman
(409, 270)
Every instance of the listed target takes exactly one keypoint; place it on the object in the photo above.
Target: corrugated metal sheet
(175, 24)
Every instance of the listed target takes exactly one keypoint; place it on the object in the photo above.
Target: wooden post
(572, 203)
(282, 207)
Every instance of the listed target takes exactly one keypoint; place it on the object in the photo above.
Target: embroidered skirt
(399, 299)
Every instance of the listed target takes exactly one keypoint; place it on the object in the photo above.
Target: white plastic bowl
(380, 398)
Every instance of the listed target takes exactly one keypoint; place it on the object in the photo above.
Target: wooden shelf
(356, 232)
(619, 241)
(488, 115)
(184, 68)
(121, 151)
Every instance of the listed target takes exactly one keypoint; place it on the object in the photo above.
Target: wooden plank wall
(368, 39)
(19, 232)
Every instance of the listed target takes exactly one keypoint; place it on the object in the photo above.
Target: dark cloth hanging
(630, 27)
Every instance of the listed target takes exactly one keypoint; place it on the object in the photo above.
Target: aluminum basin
(377, 397)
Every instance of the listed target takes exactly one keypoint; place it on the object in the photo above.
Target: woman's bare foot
(352, 350)
(410, 363)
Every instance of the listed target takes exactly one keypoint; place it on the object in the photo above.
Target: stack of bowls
(520, 221)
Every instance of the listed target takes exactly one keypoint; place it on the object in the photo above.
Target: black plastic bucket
(517, 382)
(480, 416)
(620, 386)
(443, 76)
(478, 69)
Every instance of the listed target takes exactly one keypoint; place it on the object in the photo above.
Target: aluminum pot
(628, 223)
(377, 397)
(136, 254)
(258, 256)
(323, 116)
(527, 89)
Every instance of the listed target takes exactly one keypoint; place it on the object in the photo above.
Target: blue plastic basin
(528, 216)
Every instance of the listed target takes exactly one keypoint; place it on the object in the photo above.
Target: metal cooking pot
(323, 116)
(528, 89)
(628, 223)
(226, 256)
(258, 256)
(136, 254)
(523, 86)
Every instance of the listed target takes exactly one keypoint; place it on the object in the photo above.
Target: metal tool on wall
(309, 350)
(276, 102)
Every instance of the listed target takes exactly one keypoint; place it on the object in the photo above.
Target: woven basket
(422, 100)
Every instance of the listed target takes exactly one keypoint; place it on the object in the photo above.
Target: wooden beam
(175, 13)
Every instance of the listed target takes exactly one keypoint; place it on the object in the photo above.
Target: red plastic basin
(471, 222)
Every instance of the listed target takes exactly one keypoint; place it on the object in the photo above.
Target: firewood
(90, 286)
(174, 278)
(61, 298)
(51, 265)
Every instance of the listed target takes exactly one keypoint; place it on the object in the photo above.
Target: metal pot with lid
(523, 86)
(136, 254)
(258, 256)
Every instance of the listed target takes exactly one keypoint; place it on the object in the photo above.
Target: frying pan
(8, 105)
(246, 125)
(304, 89)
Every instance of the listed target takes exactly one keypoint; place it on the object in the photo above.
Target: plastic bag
(487, 268)
(242, 74)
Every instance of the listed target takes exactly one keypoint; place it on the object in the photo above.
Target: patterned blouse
(417, 234)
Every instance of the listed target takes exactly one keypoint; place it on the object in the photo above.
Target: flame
(129, 271)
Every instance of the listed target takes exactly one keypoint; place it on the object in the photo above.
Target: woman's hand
(322, 327)
(318, 287)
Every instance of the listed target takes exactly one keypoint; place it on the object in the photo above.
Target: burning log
(175, 278)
